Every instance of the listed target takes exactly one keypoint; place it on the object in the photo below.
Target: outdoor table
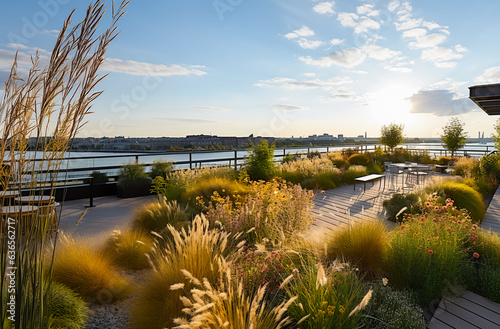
(8, 195)
(13, 211)
(35, 199)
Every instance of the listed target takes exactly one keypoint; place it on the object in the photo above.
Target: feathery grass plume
(186, 257)
(42, 112)
(324, 305)
(228, 305)
(90, 273)
(321, 278)
(129, 249)
(363, 303)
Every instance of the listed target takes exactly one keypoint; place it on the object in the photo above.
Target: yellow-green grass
(465, 197)
(359, 159)
(352, 172)
(155, 216)
(88, 272)
(201, 191)
(364, 245)
(128, 249)
(196, 251)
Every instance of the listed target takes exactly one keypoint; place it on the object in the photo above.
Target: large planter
(133, 187)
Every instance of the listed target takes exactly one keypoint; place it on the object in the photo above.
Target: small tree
(260, 164)
(392, 135)
(496, 137)
(454, 136)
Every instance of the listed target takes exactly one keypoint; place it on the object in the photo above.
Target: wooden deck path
(491, 219)
(344, 205)
(470, 311)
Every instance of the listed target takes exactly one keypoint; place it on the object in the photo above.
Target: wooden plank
(476, 308)
(468, 315)
(492, 306)
(451, 320)
(435, 323)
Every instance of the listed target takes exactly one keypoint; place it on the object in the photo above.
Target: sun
(391, 103)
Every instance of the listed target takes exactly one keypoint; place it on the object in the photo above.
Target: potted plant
(133, 181)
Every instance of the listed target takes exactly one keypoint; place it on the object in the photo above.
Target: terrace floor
(491, 219)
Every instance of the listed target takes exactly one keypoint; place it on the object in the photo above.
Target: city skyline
(278, 68)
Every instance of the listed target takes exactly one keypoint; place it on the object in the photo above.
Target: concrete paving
(109, 213)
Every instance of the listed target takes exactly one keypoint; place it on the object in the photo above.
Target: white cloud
(441, 56)
(408, 24)
(360, 24)
(289, 83)
(143, 68)
(393, 5)
(210, 108)
(428, 40)
(349, 57)
(52, 32)
(348, 19)
(309, 74)
(414, 33)
(440, 103)
(304, 31)
(344, 94)
(367, 10)
(432, 25)
(380, 53)
(288, 107)
(309, 44)
(447, 84)
(336, 42)
(325, 8)
(490, 75)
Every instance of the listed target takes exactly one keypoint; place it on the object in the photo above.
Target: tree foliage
(454, 136)
(496, 137)
(392, 135)
(260, 164)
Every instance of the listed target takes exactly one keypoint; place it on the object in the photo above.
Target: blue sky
(279, 67)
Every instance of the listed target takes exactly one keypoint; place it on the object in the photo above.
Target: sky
(278, 68)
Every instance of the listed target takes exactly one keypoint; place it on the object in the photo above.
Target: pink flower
(475, 255)
(430, 251)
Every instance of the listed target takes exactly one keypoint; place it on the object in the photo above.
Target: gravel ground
(114, 316)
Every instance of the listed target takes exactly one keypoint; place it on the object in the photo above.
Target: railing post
(327, 149)
(190, 160)
(91, 193)
(136, 159)
(235, 160)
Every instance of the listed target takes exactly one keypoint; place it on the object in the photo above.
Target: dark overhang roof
(487, 97)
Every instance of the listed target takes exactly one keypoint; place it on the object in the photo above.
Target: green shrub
(260, 164)
(398, 201)
(363, 245)
(485, 281)
(132, 171)
(487, 245)
(313, 154)
(90, 273)
(161, 168)
(480, 185)
(393, 309)
(490, 164)
(99, 177)
(444, 160)
(359, 159)
(341, 163)
(374, 168)
(353, 172)
(196, 251)
(465, 197)
(290, 157)
(155, 216)
(128, 249)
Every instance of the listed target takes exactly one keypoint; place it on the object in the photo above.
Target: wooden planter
(133, 187)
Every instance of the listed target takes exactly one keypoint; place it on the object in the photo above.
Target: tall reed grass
(48, 105)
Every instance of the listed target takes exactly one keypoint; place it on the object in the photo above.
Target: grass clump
(203, 190)
(398, 201)
(364, 245)
(161, 169)
(128, 249)
(90, 273)
(195, 251)
(353, 172)
(465, 197)
(155, 216)
(428, 250)
(66, 309)
(467, 167)
(326, 298)
(359, 159)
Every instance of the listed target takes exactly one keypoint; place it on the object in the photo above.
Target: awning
(487, 97)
